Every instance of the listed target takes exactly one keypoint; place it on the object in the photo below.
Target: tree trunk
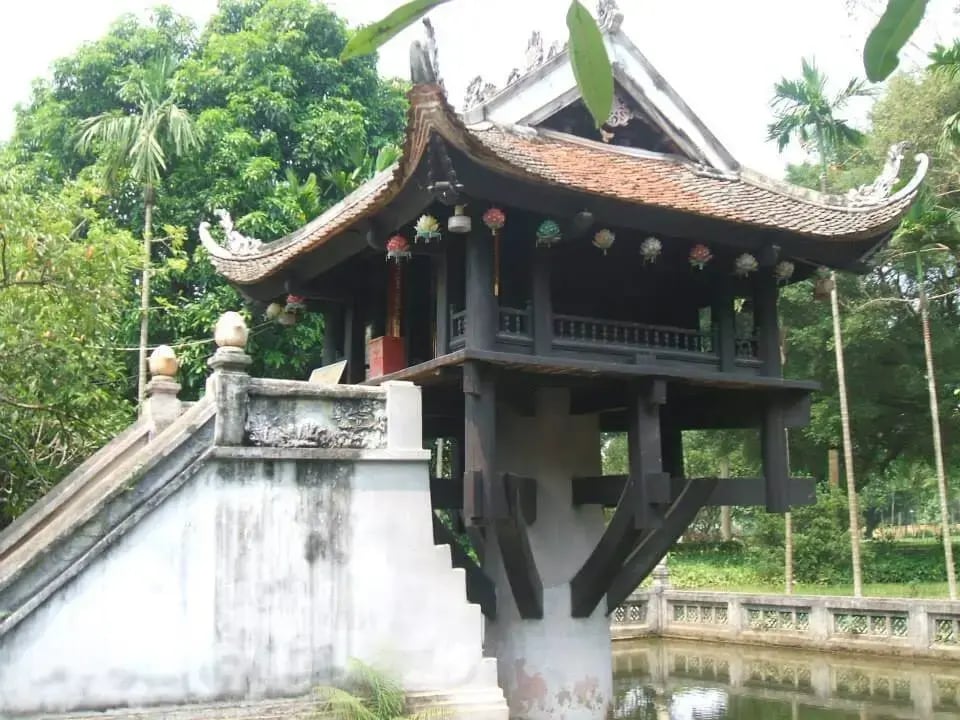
(852, 501)
(937, 442)
(833, 468)
(145, 294)
(726, 513)
(787, 517)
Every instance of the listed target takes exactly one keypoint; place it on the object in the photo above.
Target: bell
(459, 222)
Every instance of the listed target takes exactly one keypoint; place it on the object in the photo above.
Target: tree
(63, 289)
(140, 141)
(805, 112)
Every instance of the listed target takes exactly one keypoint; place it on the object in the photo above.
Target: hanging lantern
(650, 249)
(823, 285)
(494, 218)
(784, 270)
(548, 234)
(604, 239)
(700, 255)
(295, 304)
(459, 222)
(398, 248)
(287, 318)
(427, 229)
(744, 265)
(273, 311)
(582, 222)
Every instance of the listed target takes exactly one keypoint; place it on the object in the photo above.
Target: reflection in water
(677, 680)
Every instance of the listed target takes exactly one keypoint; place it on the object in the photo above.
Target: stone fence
(899, 627)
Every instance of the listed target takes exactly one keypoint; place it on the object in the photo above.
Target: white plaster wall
(257, 578)
(559, 666)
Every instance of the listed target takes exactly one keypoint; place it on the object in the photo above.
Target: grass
(691, 573)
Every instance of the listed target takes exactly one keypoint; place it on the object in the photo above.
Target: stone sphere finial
(163, 362)
(231, 331)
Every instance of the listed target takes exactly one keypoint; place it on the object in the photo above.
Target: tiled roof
(547, 157)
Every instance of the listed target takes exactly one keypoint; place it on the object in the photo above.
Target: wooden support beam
(657, 542)
(480, 588)
(441, 302)
(773, 453)
(482, 308)
(645, 450)
(516, 554)
(484, 500)
(767, 321)
(743, 491)
(542, 304)
(332, 332)
(671, 443)
(355, 343)
(724, 324)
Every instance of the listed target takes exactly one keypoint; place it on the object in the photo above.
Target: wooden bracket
(518, 561)
(656, 543)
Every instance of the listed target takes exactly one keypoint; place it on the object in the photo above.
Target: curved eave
(549, 158)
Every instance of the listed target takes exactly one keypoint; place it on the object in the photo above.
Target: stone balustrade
(903, 627)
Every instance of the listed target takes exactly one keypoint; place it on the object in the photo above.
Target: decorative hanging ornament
(650, 249)
(273, 311)
(604, 239)
(494, 218)
(823, 285)
(427, 229)
(398, 248)
(745, 264)
(700, 255)
(548, 234)
(784, 270)
(459, 222)
(295, 304)
(287, 318)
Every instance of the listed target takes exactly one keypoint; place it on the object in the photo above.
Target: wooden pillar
(332, 332)
(725, 329)
(482, 309)
(645, 449)
(355, 343)
(672, 446)
(479, 439)
(773, 451)
(441, 302)
(542, 303)
(767, 322)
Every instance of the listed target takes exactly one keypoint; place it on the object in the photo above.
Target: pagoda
(546, 281)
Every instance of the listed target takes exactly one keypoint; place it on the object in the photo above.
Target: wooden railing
(514, 323)
(574, 333)
(576, 330)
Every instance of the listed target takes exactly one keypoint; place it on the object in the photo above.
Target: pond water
(681, 680)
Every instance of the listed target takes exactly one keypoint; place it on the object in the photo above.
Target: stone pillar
(162, 406)
(229, 381)
(557, 666)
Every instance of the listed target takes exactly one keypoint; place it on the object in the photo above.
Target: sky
(723, 57)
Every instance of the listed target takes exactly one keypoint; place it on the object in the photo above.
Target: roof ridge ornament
(234, 241)
(478, 92)
(425, 59)
(880, 189)
(609, 17)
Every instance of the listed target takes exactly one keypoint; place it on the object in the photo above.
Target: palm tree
(804, 111)
(945, 60)
(139, 140)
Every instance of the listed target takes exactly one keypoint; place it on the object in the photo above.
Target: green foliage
(821, 546)
(281, 124)
(894, 29)
(64, 282)
(365, 694)
(590, 63)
